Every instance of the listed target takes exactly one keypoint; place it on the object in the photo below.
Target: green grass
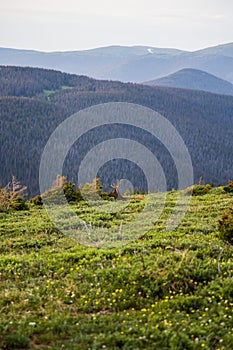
(163, 290)
(48, 94)
(66, 87)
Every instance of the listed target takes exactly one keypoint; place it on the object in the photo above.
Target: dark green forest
(33, 102)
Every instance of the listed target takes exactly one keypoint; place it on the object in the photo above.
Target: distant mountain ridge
(127, 64)
(189, 78)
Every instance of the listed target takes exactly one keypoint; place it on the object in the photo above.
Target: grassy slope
(166, 291)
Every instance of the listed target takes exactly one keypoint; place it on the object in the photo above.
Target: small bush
(198, 190)
(37, 200)
(19, 204)
(16, 341)
(225, 226)
(78, 195)
(69, 191)
(105, 196)
(229, 187)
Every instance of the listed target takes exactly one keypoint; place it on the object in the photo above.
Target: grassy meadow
(162, 290)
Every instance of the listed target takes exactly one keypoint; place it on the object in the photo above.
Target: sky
(65, 25)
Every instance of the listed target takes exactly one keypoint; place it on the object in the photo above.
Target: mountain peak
(190, 78)
(136, 63)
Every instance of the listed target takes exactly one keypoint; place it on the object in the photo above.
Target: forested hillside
(29, 82)
(34, 101)
(196, 79)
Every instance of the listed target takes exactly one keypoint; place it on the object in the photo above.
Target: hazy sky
(60, 25)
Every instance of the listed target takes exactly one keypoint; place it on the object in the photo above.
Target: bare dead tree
(15, 189)
(60, 180)
(10, 193)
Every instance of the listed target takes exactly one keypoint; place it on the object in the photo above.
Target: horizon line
(114, 45)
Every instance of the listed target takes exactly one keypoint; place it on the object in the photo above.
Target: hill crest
(189, 78)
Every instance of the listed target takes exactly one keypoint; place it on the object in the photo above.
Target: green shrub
(78, 195)
(19, 204)
(37, 200)
(16, 341)
(105, 196)
(198, 190)
(69, 191)
(229, 187)
(225, 226)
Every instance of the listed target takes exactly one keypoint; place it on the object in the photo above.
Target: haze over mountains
(189, 78)
(134, 64)
(34, 102)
